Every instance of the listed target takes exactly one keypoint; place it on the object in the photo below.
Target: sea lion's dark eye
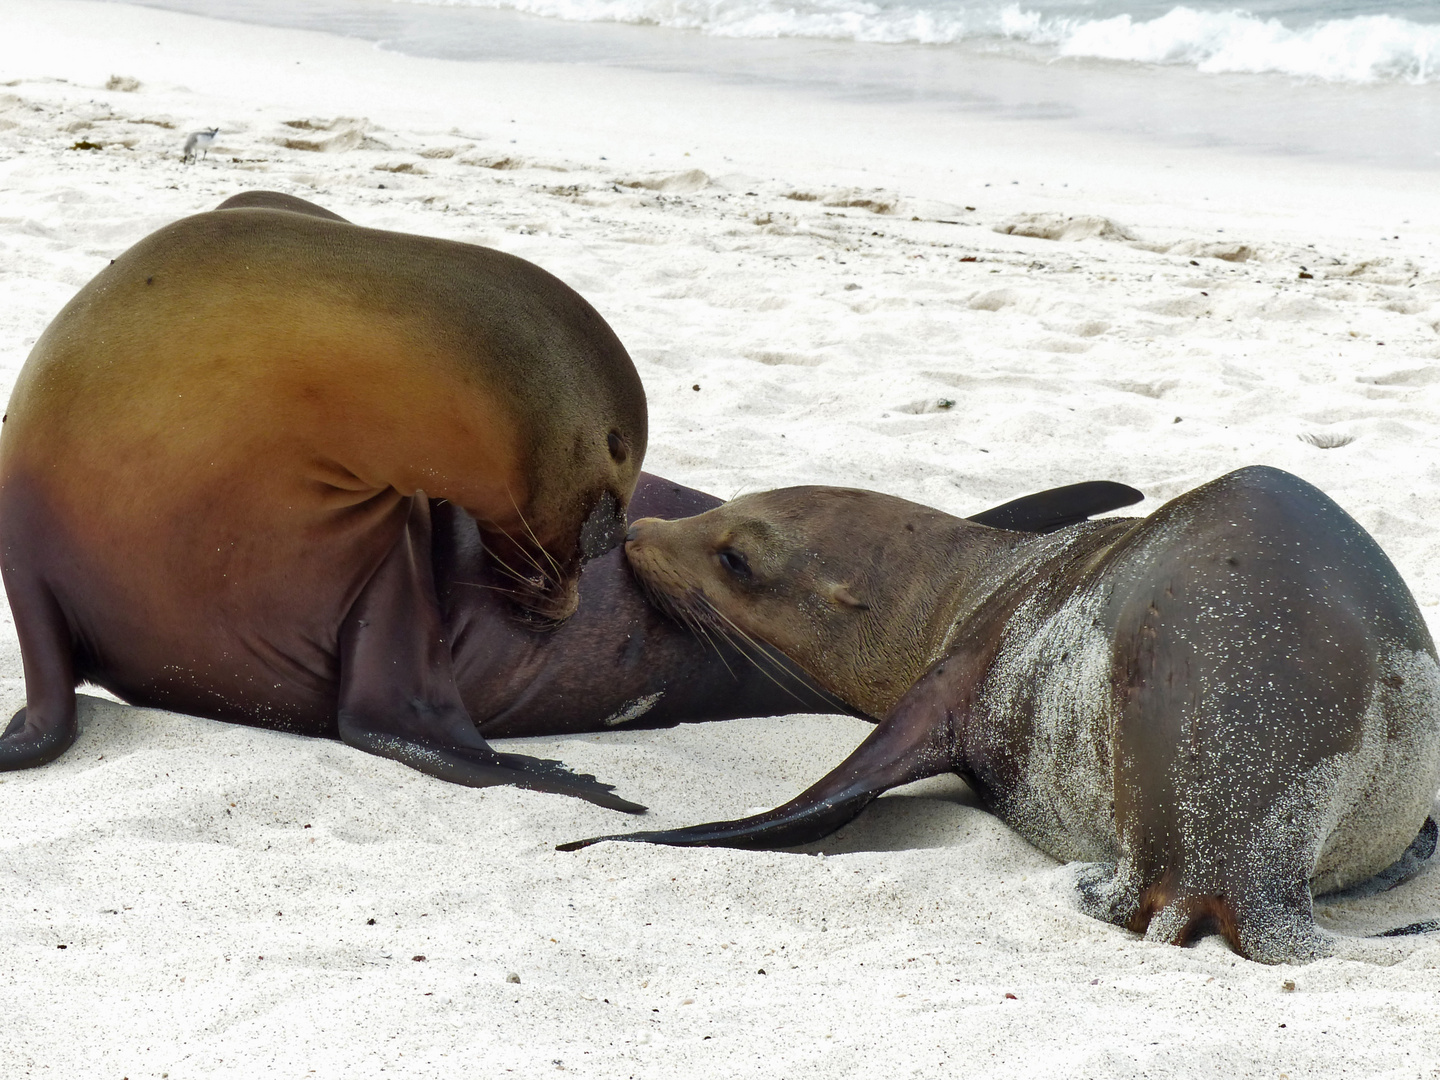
(734, 562)
(618, 450)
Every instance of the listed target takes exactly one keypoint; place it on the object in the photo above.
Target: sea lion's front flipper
(911, 744)
(398, 697)
(46, 727)
(1047, 511)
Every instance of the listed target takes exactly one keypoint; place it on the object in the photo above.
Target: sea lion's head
(575, 409)
(582, 427)
(576, 511)
(850, 585)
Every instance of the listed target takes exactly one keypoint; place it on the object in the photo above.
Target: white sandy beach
(814, 291)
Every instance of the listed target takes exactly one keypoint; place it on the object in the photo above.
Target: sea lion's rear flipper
(910, 744)
(1265, 916)
(1047, 511)
(46, 727)
(398, 697)
(277, 200)
(1415, 858)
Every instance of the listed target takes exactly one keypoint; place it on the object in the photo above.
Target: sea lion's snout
(546, 572)
(650, 545)
(557, 602)
(638, 531)
(603, 529)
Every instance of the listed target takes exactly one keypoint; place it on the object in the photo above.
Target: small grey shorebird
(199, 142)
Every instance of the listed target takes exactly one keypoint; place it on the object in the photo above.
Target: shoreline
(201, 894)
(1383, 124)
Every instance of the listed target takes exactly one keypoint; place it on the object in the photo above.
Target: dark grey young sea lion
(1223, 707)
(241, 475)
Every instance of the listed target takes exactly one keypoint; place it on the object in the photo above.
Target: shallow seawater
(1345, 40)
(1386, 121)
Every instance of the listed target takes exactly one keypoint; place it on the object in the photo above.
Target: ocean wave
(1360, 49)
(1365, 48)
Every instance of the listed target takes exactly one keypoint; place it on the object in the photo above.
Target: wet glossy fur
(219, 462)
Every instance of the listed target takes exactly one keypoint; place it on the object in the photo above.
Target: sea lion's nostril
(618, 449)
(632, 533)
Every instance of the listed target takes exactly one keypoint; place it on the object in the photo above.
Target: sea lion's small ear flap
(842, 595)
(1047, 511)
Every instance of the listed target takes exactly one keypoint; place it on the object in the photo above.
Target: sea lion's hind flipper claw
(798, 822)
(908, 745)
(480, 766)
(1047, 511)
(542, 774)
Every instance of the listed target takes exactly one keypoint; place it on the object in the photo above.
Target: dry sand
(814, 291)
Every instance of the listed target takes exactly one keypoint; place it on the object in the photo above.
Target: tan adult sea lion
(1223, 707)
(220, 461)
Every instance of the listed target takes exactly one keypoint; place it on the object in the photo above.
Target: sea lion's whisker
(530, 584)
(690, 613)
(684, 612)
(767, 653)
(778, 662)
(502, 590)
(535, 563)
(697, 614)
(704, 632)
(534, 539)
(506, 569)
(545, 580)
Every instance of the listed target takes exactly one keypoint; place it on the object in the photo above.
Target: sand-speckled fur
(1221, 707)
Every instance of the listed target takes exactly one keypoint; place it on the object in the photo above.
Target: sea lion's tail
(910, 744)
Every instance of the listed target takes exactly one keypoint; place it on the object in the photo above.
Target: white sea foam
(1359, 49)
